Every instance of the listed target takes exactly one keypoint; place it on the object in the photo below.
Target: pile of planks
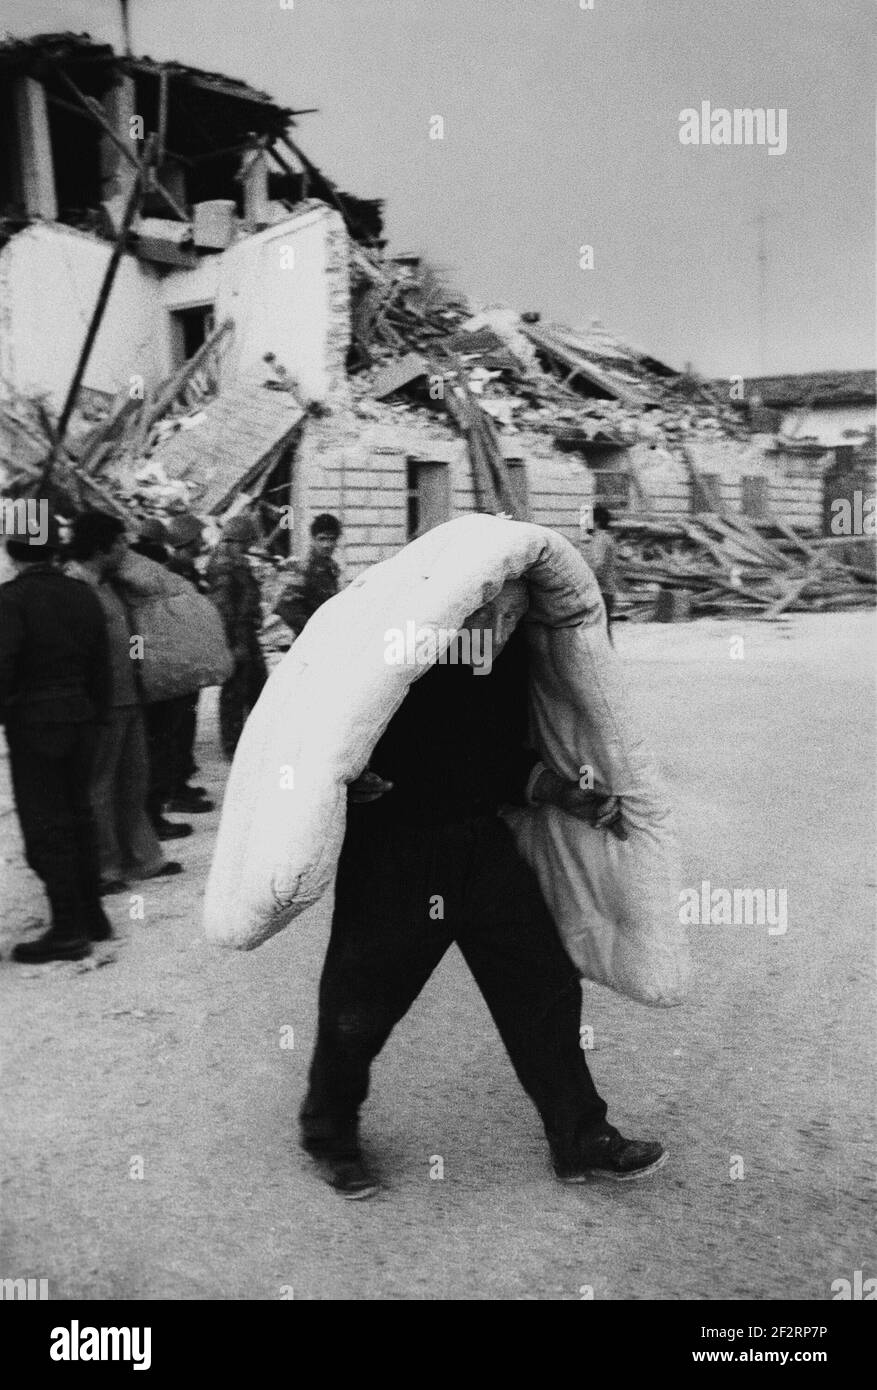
(724, 564)
(397, 309)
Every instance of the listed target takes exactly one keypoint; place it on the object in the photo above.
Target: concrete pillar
(35, 148)
(117, 173)
(254, 177)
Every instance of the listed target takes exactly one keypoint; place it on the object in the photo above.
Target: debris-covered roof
(228, 446)
(585, 387)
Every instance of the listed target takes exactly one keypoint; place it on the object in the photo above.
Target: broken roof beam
(572, 359)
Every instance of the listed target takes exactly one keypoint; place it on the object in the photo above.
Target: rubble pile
(722, 564)
(579, 387)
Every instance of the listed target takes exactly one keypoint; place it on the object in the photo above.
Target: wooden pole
(126, 27)
(162, 116)
(97, 316)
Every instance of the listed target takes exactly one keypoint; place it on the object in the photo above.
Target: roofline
(82, 48)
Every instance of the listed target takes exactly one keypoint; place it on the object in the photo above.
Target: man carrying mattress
(428, 861)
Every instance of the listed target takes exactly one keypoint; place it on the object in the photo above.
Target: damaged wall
(50, 276)
(355, 464)
(748, 474)
(286, 290)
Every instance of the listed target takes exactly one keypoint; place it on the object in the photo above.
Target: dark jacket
(54, 660)
(310, 585)
(457, 746)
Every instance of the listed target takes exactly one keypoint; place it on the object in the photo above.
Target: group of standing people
(95, 767)
(96, 764)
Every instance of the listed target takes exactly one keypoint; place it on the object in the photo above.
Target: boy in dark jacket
(316, 580)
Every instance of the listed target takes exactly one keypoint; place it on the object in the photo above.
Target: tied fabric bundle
(615, 902)
(184, 646)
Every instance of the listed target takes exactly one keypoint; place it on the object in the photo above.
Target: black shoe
(97, 924)
(613, 1157)
(113, 885)
(349, 1177)
(51, 946)
(190, 805)
(171, 830)
(167, 870)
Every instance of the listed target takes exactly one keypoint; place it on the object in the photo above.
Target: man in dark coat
(428, 861)
(54, 693)
(315, 581)
(235, 590)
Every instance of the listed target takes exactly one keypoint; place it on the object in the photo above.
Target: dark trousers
(188, 727)
(385, 945)
(237, 697)
(170, 736)
(609, 601)
(51, 767)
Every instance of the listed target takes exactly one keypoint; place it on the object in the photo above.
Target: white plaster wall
(49, 281)
(281, 288)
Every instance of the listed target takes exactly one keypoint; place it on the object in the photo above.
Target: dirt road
(167, 1059)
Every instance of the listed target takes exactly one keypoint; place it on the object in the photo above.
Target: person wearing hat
(54, 694)
(235, 590)
(316, 580)
(152, 540)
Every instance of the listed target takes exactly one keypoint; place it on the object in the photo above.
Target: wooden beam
(131, 209)
(162, 116)
(166, 394)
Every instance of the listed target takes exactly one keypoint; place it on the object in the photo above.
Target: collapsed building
(194, 316)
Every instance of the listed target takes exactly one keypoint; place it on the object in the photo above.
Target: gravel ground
(163, 1056)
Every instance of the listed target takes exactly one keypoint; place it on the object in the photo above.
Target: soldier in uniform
(235, 591)
(316, 580)
(54, 694)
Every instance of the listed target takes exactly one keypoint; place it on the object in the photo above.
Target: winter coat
(184, 647)
(615, 902)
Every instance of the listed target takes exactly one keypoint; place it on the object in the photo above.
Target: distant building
(827, 408)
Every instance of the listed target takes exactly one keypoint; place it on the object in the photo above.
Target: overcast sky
(561, 129)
